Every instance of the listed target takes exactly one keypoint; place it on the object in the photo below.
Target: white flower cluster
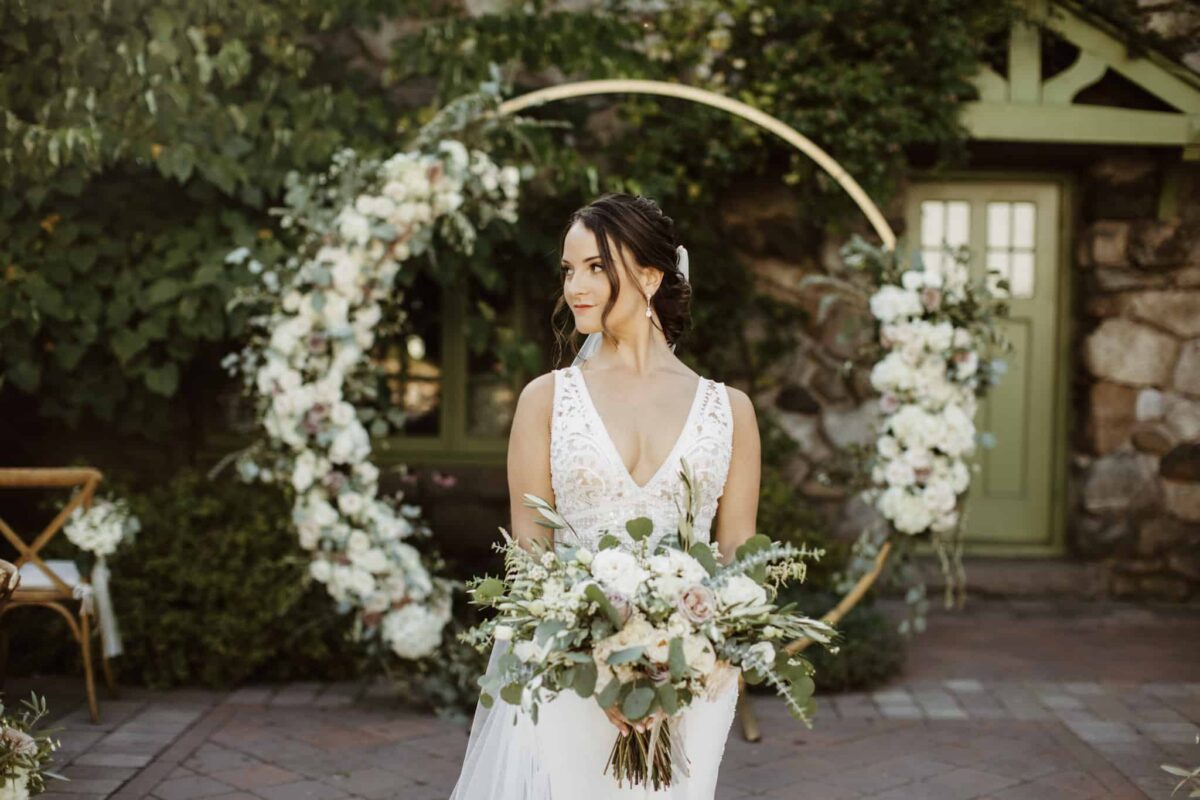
(101, 529)
(311, 356)
(928, 381)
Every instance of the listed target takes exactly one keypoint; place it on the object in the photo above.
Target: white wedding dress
(564, 755)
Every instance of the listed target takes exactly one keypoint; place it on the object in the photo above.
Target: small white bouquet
(644, 632)
(24, 754)
(99, 530)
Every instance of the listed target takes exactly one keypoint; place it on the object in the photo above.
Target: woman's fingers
(618, 719)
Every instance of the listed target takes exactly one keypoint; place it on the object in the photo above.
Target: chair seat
(34, 580)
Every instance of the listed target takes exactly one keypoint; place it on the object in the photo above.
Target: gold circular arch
(805, 145)
(714, 100)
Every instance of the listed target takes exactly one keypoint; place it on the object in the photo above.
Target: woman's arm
(737, 510)
(529, 459)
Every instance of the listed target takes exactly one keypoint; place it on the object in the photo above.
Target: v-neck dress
(593, 489)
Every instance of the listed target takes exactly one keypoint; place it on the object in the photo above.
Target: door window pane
(1010, 237)
(945, 226)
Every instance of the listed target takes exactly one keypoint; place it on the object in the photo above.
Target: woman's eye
(562, 271)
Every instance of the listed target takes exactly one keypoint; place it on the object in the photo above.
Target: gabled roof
(1025, 106)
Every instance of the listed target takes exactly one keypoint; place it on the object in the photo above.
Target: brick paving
(1003, 701)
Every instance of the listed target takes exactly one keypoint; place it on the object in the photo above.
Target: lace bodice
(595, 492)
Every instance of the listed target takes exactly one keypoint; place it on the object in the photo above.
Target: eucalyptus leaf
(638, 703)
(639, 528)
(627, 655)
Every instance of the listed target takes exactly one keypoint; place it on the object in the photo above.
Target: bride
(602, 440)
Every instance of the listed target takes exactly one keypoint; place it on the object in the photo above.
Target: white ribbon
(108, 618)
(84, 593)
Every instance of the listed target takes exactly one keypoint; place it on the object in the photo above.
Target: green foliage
(139, 144)
(870, 652)
(214, 590)
(218, 591)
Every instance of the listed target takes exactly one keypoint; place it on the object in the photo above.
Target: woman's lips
(582, 308)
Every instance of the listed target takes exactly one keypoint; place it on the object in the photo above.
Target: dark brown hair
(638, 224)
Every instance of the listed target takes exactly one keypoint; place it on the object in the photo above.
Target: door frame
(1064, 417)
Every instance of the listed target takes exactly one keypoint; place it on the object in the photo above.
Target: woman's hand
(625, 725)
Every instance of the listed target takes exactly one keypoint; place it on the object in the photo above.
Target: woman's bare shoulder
(536, 400)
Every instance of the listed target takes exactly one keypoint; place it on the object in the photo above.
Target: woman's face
(585, 284)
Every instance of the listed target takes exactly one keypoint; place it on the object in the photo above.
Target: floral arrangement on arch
(363, 227)
(936, 349)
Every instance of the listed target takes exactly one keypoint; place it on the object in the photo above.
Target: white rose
(358, 542)
(350, 445)
(414, 630)
(342, 414)
(345, 275)
(362, 582)
(618, 570)
(351, 503)
(367, 472)
(939, 496)
(762, 653)
(893, 302)
(899, 473)
(741, 591)
(373, 560)
(888, 447)
(699, 654)
(322, 513)
(302, 471)
(503, 633)
(354, 227)
(336, 310)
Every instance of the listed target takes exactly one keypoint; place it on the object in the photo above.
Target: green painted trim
(1062, 88)
(1024, 63)
(1021, 107)
(992, 87)
(1154, 72)
(1067, 184)
(1079, 124)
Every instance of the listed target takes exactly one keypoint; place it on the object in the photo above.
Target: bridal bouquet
(645, 631)
(24, 755)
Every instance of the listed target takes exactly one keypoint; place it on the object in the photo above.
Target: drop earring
(647, 306)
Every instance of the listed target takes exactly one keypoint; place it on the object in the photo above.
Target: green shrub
(871, 651)
(214, 591)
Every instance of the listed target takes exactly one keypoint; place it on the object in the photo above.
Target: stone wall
(1136, 450)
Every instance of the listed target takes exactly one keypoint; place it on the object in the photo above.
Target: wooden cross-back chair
(52, 582)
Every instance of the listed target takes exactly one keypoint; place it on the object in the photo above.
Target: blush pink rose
(698, 603)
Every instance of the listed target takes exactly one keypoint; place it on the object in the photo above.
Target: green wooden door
(1014, 228)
